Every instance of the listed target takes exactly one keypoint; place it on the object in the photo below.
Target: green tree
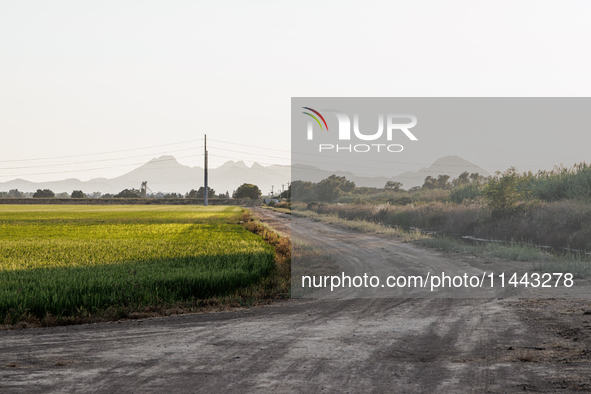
(192, 194)
(394, 186)
(286, 193)
(128, 193)
(247, 190)
(477, 178)
(200, 193)
(45, 193)
(442, 181)
(78, 194)
(14, 193)
(430, 182)
(173, 195)
(464, 178)
(331, 188)
(303, 190)
(505, 192)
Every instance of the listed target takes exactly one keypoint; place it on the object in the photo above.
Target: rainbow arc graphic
(315, 118)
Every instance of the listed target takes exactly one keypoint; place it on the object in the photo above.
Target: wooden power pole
(206, 191)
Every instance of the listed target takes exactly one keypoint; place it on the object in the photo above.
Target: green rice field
(58, 259)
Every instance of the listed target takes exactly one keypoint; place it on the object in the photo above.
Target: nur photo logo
(391, 123)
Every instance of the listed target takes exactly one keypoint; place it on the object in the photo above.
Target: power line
(224, 142)
(229, 158)
(100, 168)
(362, 159)
(315, 169)
(348, 165)
(327, 157)
(102, 153)
(290, 159)
(101, 160)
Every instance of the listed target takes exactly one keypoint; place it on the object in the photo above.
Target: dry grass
(278, 284)
(276, 208)
(362, 226)
(564, 223)
(506, 251)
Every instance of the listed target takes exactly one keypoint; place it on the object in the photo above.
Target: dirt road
(355, 346)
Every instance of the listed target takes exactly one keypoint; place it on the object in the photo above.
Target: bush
(201, 193)
(14, 193)
(313, 206)
(562, 183)
(465, 192)
(247, 190)
(403, 200)
(45, 193)
(505, 192)
(127, 193)
(78, 194)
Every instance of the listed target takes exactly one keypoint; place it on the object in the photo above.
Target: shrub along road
(360, 345)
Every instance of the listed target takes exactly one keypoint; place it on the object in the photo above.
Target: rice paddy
(62, 259)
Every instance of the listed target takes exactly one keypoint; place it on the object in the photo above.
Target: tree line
(246, 190)
(506, 193)
(334, 187)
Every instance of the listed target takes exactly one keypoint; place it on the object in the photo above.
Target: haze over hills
(449, 165)
(166, 174)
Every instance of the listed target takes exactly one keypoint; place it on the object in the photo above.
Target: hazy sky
(82, 78)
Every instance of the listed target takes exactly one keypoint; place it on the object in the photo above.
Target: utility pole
(272, 191)
(205, 176)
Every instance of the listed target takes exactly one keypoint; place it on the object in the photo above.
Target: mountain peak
(451, 159)
(165, 158)
(234, 164)
(453, 164)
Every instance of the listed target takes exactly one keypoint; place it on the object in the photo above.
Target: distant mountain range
(167, 175)
(449, 165)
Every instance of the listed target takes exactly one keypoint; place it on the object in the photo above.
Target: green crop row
(60, 259)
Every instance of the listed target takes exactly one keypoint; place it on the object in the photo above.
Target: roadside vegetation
(282, 207)
(525, 210)
(65, 265)
(362, 226)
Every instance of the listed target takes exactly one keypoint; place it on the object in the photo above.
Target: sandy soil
(311, 345)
